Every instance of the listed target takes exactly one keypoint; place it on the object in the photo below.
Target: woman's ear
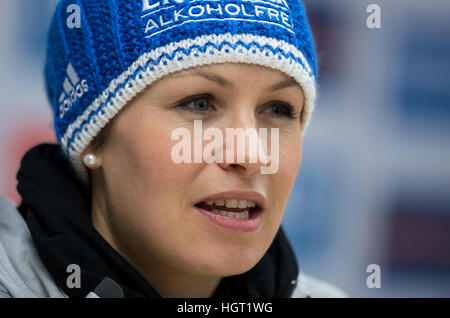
(91, 159)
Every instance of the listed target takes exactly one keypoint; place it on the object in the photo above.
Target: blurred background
(374, 185)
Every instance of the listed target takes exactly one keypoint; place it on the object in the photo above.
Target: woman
(111, 211)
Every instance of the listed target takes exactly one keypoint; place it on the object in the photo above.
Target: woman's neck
(174, 284)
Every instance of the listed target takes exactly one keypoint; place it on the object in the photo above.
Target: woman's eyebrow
(216, 78)
(286, 83)
(225, 83)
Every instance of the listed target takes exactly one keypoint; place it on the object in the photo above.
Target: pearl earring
(90, 160)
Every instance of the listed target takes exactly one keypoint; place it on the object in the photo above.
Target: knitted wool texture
(122, 46)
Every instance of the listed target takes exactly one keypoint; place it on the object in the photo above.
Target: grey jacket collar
(22, 273)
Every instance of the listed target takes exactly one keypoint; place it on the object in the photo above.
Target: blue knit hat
(122, 46)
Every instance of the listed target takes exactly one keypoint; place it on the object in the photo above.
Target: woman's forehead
(233, 77)
(232, 72)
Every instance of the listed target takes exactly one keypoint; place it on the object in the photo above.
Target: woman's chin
(226, 265)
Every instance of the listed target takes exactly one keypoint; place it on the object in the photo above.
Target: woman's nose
(243, 147)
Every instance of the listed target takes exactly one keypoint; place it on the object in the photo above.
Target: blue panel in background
(423, 89)
(313, 207)
(31, 32)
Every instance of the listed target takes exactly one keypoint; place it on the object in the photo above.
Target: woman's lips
(249, 195)
(239, 225)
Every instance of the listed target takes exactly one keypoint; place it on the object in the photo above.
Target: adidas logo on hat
(73, 90)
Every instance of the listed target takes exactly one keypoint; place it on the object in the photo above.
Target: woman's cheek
(290, 155)
(149, 142)
(290, 158)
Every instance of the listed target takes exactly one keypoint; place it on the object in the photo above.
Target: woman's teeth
(238, 215)
(235, 204)
(241, 204)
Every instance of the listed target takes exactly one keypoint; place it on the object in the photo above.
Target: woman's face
(145, 203)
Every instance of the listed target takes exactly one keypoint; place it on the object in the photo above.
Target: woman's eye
(281, 109)
(198, 103)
